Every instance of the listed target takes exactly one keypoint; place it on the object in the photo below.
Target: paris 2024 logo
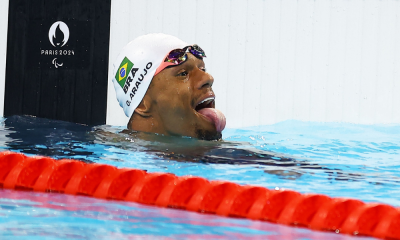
(61, 29)
(58, 36)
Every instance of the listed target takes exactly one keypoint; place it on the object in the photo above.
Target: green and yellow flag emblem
(123, 71)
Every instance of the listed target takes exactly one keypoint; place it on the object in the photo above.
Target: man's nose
(205, 79)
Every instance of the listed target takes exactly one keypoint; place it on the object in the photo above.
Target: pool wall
(274, 60)
(279, 60)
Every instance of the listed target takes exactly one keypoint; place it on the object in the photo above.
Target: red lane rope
(315, 211)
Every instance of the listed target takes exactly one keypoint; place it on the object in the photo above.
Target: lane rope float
(314, 211)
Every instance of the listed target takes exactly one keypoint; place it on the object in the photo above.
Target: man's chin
(208, 135)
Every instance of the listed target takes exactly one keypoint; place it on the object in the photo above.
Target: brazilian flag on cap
(123, 71)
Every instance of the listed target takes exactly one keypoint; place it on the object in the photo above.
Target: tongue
(215, 116)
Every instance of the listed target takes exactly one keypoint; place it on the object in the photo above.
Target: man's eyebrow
(185, 64)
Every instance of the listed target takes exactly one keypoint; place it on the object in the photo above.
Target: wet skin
(172, 100)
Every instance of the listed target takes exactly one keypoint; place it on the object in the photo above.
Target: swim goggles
(178, 56)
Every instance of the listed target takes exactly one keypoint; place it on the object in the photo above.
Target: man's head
(172, 100)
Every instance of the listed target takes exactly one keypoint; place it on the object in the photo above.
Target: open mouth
(206, 109)
(206, 103)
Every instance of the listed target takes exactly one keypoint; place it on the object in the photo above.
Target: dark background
(76, 91)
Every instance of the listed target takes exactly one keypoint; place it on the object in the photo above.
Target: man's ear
(144, 107)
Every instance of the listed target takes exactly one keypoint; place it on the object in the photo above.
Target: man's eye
(203, 69)
(183, 73)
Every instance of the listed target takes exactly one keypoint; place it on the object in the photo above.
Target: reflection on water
(31, 135)
(33, 215)
(335, 159)
(59, 139)
(339, 160)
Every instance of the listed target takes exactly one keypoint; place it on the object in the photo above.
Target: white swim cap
(136, 65)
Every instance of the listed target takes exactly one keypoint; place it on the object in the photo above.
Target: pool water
(336, 159)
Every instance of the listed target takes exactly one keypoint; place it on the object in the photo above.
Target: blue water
(336, 159)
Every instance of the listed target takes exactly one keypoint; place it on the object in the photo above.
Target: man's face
(182, 101)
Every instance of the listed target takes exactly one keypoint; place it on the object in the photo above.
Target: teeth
(207, 99)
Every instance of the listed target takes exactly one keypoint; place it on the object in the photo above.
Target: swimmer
(162, 85)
